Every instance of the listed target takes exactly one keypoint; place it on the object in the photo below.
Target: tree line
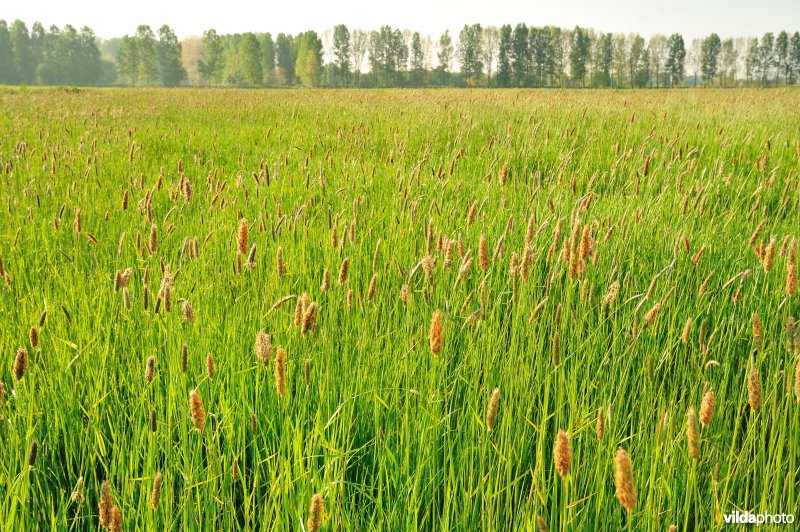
(508, 56)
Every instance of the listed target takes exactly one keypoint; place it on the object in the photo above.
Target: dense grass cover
(486, 234)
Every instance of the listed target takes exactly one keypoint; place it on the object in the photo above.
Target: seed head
(623, 479)
(373, 285)
(562, 453)
(435, 333)
(33, 336)
(601, 423)
(492, 409)
(343, 269)
(34, 452)
(116, 520)
(309, 321)
(483, 252)
(612, 294)
(105, 505)
(77, 493)
(210, 368)
(314, 522)
(280, 266)
(263, 347)
(280, 371)
(758, 335)
(326, 281)
(707, 408)
(187, 312)
(150, 369)
(196, 410)
(184, 357)
(242, 237)
(152, 244)
(754, 389)
(20, 363)
(155, 497)
(692, 434)
(405, 294)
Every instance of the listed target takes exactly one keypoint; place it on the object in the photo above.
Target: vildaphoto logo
(746, 518)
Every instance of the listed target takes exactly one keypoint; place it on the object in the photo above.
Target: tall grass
(618, 272)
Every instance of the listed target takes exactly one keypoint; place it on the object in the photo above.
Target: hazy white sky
(692, 18)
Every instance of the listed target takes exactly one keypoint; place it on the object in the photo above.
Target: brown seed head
(309, 321)
(263, 347)
(754, 389)
(280, 266)
(33, 336)
(20, 363)
(562, 453)
(314, 522)
(435, 333)
(150, 369)
(343, 269)
(187, 312)
(707, 408)
(758, 334)
(242, 237)
(105, 505)
(483, 252)
(196, 410)
(210, 367)
(155, 496)
(623, 479)
(601, 424)
(492, 409)
(280, 371)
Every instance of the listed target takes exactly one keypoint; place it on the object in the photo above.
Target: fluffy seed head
(210, 367)
(326, 281)
(263, 347)
(435, 333)
(155, 496)
(562, 453)
(150, 369)
(707, 408)
(343, 269)
(754, 389)
(116, 520)
(601, 424)
(280, 371)
(758, 333)
(105, 505)
(152, 243)
(20, 363)
(77, 493)
(692, 434)
(33, 336)
(196, 410)
(187, 312)
(280, 266)
(623, 479)
(483, 252)
(242, 237)
(309, 321)
(492, 409)
(314, 522)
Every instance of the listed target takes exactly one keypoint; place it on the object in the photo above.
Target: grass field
(516, 264)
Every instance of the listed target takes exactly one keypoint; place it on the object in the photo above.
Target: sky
(691, 18)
